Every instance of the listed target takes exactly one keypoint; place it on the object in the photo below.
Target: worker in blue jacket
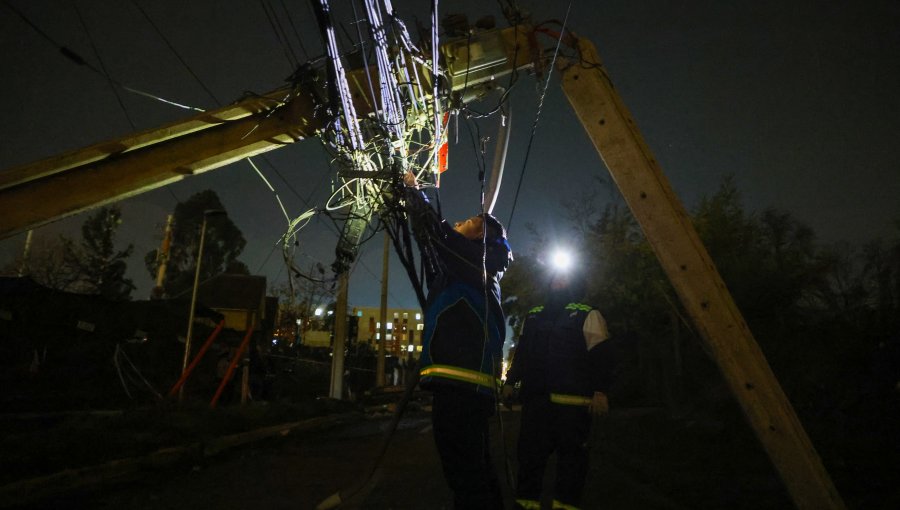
(462, 342)
(564, 367)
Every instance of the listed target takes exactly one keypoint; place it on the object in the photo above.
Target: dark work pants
(460, 420)
(548, 427)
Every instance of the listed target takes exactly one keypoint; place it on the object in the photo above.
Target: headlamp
(560, 259)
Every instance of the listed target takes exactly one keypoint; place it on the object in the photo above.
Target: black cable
(288, 184)
(513, 79)
(77, 59)
(287, 54)
(102, 65)
(294, 28)
(274, 247)
(536, 118)
(35, 27)
(479, 153)
(175, 52)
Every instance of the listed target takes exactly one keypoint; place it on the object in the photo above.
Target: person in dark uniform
(564, 367)
(462, 342)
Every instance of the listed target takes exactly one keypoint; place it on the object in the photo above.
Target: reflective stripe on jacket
(570, 400)
(461, 374)
(464, 323)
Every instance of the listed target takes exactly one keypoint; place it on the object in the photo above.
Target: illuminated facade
(404, 329)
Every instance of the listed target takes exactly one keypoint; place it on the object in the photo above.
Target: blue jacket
(464, 324)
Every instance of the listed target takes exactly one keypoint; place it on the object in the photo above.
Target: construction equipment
(38, 193)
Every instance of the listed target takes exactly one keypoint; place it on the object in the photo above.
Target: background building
(404, 329)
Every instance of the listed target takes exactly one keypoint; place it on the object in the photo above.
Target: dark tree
(223, 243)
(98, 267)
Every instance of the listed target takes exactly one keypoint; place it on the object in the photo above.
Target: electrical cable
(365, 57)
(288, 52)
(175, 52)
(102, 65)
(216, 100)
(536, 118)
(77, 59)
(294, 28)
(513, 79)
(286, 182)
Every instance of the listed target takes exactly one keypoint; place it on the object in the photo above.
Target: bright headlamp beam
(561, 260)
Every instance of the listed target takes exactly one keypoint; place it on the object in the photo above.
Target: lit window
(396, 315)
(420, 327)
(388, 336)
(418, 316)
(318, 312)
(390, 325)
(405, 315)
(410, 348)
(359, 313)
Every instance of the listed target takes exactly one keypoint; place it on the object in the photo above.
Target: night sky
(798, 100)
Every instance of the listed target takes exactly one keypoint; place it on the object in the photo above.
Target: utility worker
(564, 366)
(462, 343)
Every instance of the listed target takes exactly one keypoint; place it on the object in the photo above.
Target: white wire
(269, 185)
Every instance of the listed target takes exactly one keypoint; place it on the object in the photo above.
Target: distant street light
(190, 330)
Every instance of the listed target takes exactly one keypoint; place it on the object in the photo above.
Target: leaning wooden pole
(682, 255)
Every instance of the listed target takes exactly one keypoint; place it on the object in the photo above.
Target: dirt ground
(637, 463)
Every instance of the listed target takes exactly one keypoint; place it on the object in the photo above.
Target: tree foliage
(44, 264)
(99, 267)
(222, 245)
(91, 265)
(812, 308)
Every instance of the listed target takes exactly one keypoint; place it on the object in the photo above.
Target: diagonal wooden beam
(37, 193)
(669, 231)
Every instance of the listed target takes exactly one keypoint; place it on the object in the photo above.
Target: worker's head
(473, 228)
(563, 274)
(499, 254)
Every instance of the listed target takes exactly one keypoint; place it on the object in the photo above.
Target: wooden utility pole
(340, 337)
(250, 325)
(40, 192)
(26, 252)
(162, 259)
(382, 326)
(685, 260)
